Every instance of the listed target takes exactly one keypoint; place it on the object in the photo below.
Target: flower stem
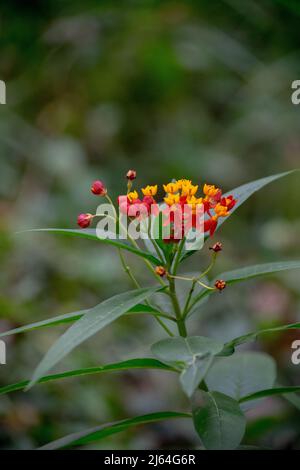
(133, 242)
(180, 320)
(211, 265)
(188, 300)
(187, 306)
(178, 254)
(138, 286)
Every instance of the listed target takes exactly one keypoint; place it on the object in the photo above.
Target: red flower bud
(160, 271)
(98, 188)
(131, 175)
(216, 247)
(220, 284)
(84, 220)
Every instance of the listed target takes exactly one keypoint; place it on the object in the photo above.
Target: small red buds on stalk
(131, 175)
(98, 188)
(84, 220)
(216, 247)
(220, 284)
(160, 271)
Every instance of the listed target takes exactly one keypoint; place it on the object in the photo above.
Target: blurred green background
(173, 89)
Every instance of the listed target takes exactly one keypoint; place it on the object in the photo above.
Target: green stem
(133, 242)
(188, 300)
(154, 242)
(197, 298)
(136, 283)
(128, 270)
(180, 321)
(211, 265)
(178, 255)
(132, 277)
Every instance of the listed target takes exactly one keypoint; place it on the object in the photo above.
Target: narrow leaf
(249, 272)
(242, 193)
(69, 318)
(246, 273)
(143, 363)
(253, 336)
(99, 432)
(110, 240)
(218, 420)
(92, 322)
(270, 392)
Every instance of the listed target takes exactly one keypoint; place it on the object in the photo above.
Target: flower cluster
(179, 195)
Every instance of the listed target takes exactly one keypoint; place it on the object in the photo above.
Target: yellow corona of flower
(193, 202)
(171, 199)
(210, 190)
(132, 196)
(188, 189)
(171, 188)
(183, 182)
(221, 211)
(150, 190)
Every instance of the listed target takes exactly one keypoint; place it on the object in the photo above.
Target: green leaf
(218, 420)
(249, 272)
(246, 273)
(143, 363)
(99, 432)
(241, 374)
(242, 193)
(69, 318)
(270, 392)
(92, 235)
(54, 321)
(193, 356)
(253, 336)
(92, 322)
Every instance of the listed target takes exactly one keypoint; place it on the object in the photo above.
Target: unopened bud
(98, 188)
(84, 220)
(131, 175)
(216, 247)
(160, 271)
(220, 284)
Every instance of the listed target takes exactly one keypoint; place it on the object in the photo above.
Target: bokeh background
(172, 89)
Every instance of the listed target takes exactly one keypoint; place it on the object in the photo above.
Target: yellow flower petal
(171, 199)
(132, 196)
(171, 188)
(150, 190)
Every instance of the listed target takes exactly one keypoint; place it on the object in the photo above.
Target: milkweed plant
(220, 382)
